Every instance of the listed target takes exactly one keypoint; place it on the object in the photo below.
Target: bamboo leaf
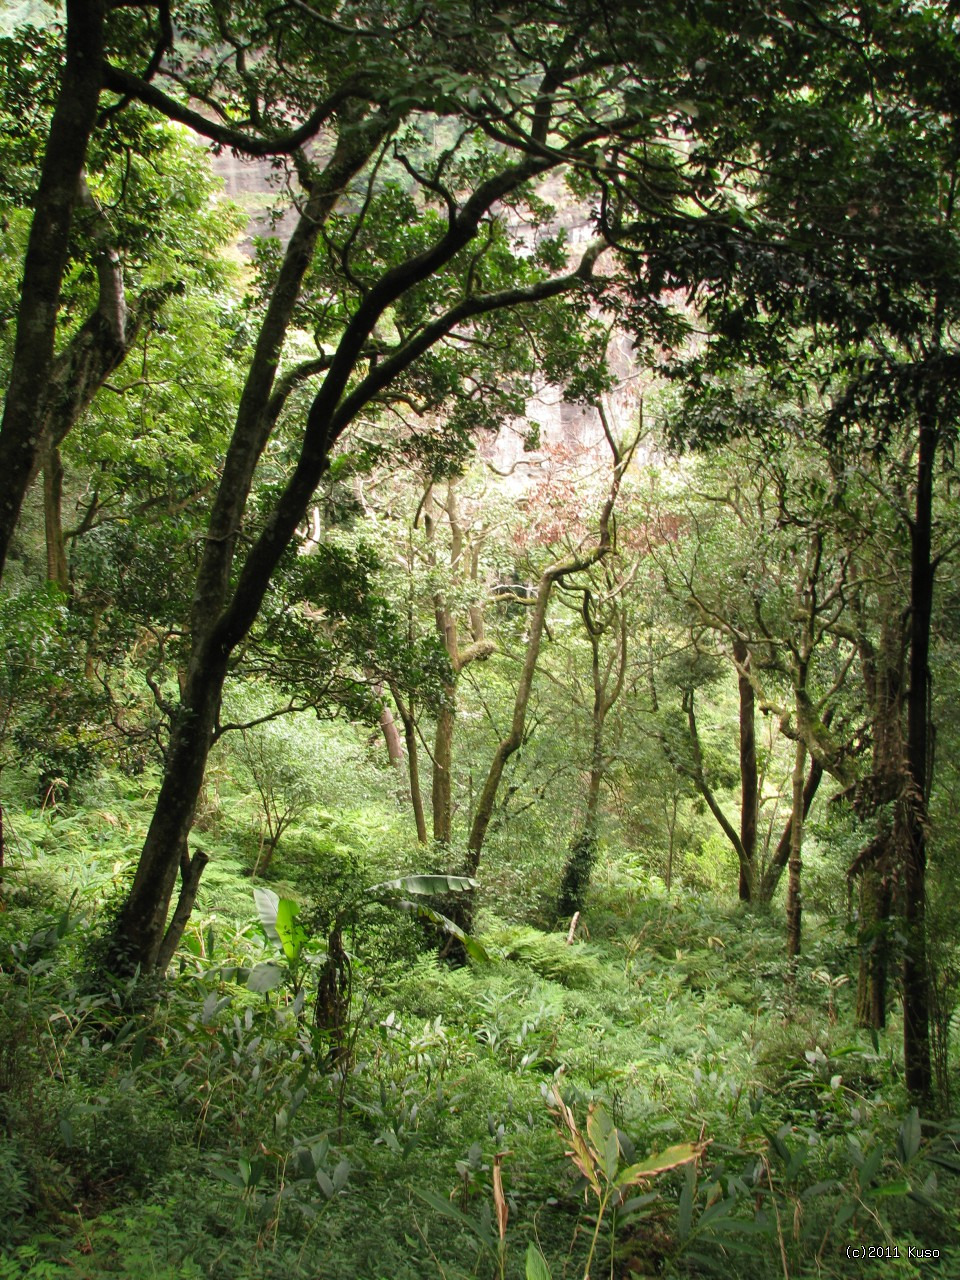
(536, 1266)
(871, 1163)
(451, 1211)
(908, 1139)
(659, 1162)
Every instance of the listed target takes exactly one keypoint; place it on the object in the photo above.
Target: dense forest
(479, 747)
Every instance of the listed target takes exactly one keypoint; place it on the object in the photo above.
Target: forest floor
(196, 1128)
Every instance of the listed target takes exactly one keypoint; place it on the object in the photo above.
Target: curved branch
(130, 86)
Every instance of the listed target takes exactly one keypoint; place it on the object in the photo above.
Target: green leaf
(899, 1188)
(870, 1166)
(845, 1212)
(796, 1163)
(778, 1144)
(686, 1203)
(611, 1155)
(600, 1130)
(267, 902)
(828, 1187)
(921, 1198)
(717, 1211)
(265, 976)
(908, 1139)
(340, 1174)
(292, 935)
(425, 885)
(636, 1203)
(536, 1267)
(474, 949)
(451, 1211)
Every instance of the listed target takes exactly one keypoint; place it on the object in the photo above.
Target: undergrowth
(205, 1131)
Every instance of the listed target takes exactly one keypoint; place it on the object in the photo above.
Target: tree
(761, 577)
(412, 294)
(68, 379)
(406, 277)
(604, 611)
(578, 559)
(845, 241)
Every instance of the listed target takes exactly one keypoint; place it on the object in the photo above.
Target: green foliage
(206, 1132)
(794, 188)
(577, 873)
(549, 955)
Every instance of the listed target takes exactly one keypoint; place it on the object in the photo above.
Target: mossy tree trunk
(600, 617)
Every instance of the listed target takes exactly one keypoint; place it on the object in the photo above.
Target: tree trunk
(391, 736)
(884, 790)
(190, 872)
(140, 928)
(52, 519)
(794, 902)
(74, 119)
(916, 1015)
(442, 770)
(781, 856)
(579, 868)
(478, 650)
(583, 852)
(405, 711)
(699, 779)
(749, 781)
(875, 903)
